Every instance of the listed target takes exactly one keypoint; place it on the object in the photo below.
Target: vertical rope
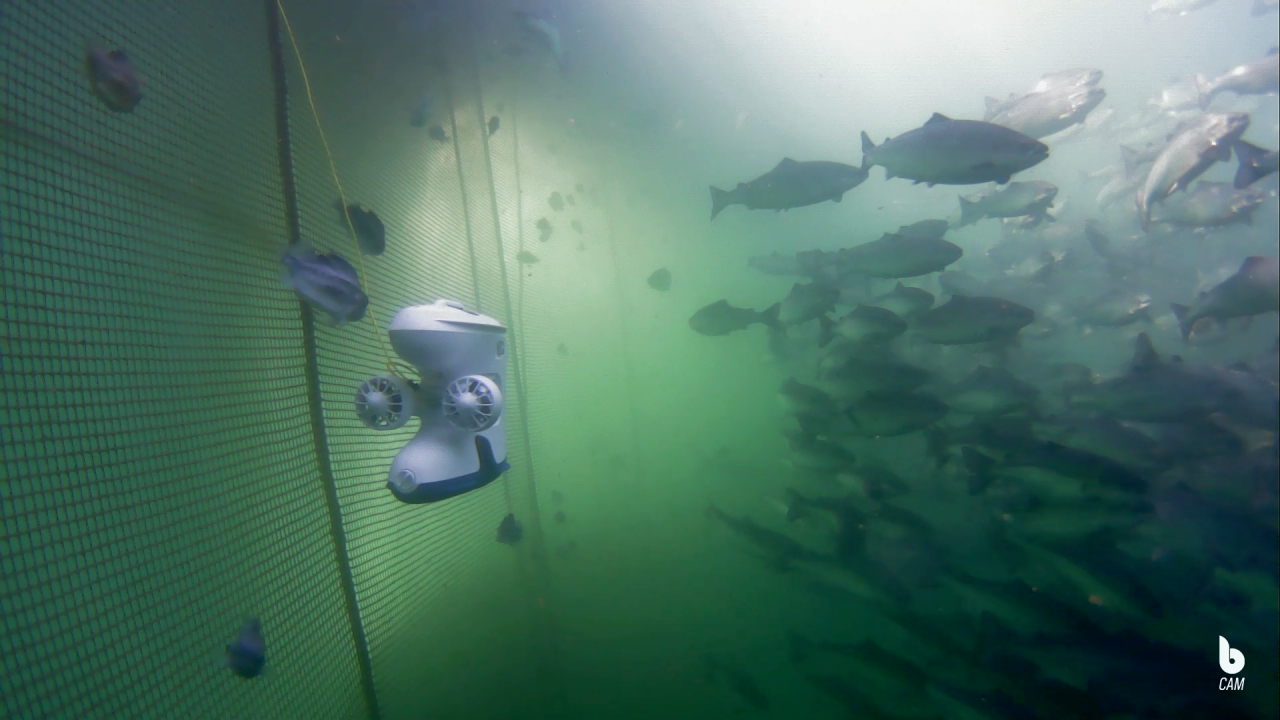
(517, 347)
(393, 367)
(549, 672)
(320, 439)
(462, 189)
(619, 283)
(515, 161)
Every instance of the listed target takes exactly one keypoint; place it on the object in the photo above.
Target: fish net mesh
(160, 478)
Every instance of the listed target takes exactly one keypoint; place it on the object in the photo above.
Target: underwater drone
(461, 359)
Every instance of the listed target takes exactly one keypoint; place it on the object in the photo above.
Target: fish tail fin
(826, 330)
(1131, 160)
(719, 200)
(1203, 92)
(867, 147)
(1097, 240)
(1248, 172)
(1186, 320)
(969, 212)
(936, 443)
(795, 505)
(993, 108)
(769, 316)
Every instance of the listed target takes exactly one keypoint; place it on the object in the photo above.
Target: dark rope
(462, 190)
(517, 346)
(623, 330)
(515, 153)
(551, 674)
(321, 441)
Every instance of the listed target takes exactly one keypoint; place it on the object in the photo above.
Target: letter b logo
(1230, 659)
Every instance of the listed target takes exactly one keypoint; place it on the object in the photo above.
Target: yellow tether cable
(377, 331)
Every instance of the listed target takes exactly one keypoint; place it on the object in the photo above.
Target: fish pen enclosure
(755, 375)
(180, 447)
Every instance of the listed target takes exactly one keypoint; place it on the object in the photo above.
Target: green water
(163, 479)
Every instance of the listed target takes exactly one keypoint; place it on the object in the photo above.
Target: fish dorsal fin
(786, 162)
(1144, 354)
(937, 118)
(1251, 262)
(899, 287)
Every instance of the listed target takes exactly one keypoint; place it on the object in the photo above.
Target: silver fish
(1017, 199)
(1260, 77)
(1042, 114)
(1192, 150)
(1251, 291)
(1176, 7)
(1073, 78)
(1210, 204)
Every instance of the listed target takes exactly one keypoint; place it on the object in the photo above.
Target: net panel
(432, 582)
(159, 481)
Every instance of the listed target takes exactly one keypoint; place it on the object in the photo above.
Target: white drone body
(462, 444)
